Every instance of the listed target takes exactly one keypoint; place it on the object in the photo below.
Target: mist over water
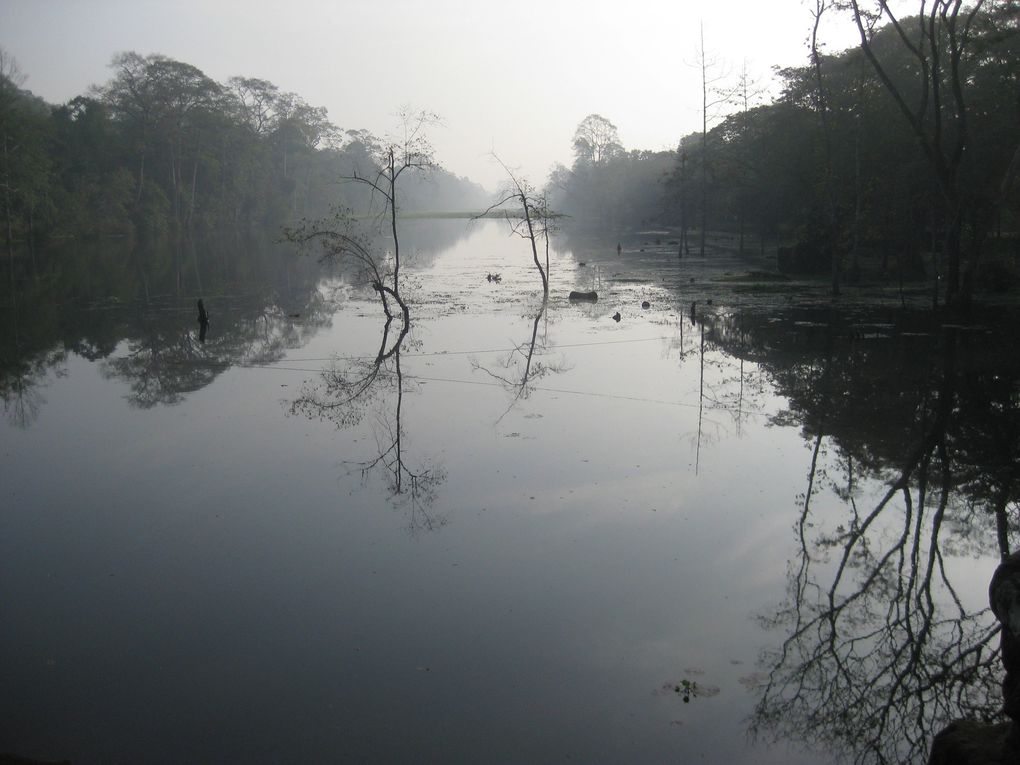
(536, 533)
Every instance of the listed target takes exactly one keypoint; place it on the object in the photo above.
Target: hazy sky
(514, 77)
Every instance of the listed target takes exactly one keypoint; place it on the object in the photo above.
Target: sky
(512, 78)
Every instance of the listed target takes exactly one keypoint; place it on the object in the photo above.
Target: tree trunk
(704, 147)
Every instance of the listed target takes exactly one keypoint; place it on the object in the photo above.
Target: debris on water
(689, 689)
(616, 316)
(646, 304)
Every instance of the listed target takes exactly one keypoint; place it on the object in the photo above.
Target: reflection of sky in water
(210, 581)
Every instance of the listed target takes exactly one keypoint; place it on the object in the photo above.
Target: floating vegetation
(688, 689)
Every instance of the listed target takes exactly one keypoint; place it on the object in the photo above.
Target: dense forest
(890, 157)
(897, 157)
(162, 147)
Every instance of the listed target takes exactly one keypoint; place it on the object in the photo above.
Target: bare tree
(712, 99)
(822, 107)
(408, 149)
(530, 218)
(747, 90)
(339, 242)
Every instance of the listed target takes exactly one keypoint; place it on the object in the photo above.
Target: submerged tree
(339, 242)
(408, 149)
(530, 218)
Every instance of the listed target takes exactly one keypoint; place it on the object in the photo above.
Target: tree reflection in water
(348, 390)
(130, 306)
(882, 650)
(525, 364)
(166, 359)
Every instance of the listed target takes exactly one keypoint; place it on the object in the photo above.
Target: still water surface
(526, 535)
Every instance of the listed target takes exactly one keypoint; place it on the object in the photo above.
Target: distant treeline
(832, 166)
(161, 147)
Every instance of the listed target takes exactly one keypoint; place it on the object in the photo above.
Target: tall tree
(409, 149)
(534, 221)
(712, 98)
(937, 40)
(596, 140)
(822, 107)
(160, 102)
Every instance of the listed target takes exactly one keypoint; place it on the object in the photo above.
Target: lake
(755, 530)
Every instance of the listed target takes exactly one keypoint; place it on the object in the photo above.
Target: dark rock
(646, 304)
(969, 742)
(583, 297)
(1004, 598)
(617, 317)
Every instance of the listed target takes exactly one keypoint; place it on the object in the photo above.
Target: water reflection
(352, 388)
(131, 307)
(881, 650)
(525, 363)
(164, 358)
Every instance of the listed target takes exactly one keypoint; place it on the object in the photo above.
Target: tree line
(898, 156)
(163, 147)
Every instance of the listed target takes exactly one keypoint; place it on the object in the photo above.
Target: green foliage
(767, 171)
(162, 148)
